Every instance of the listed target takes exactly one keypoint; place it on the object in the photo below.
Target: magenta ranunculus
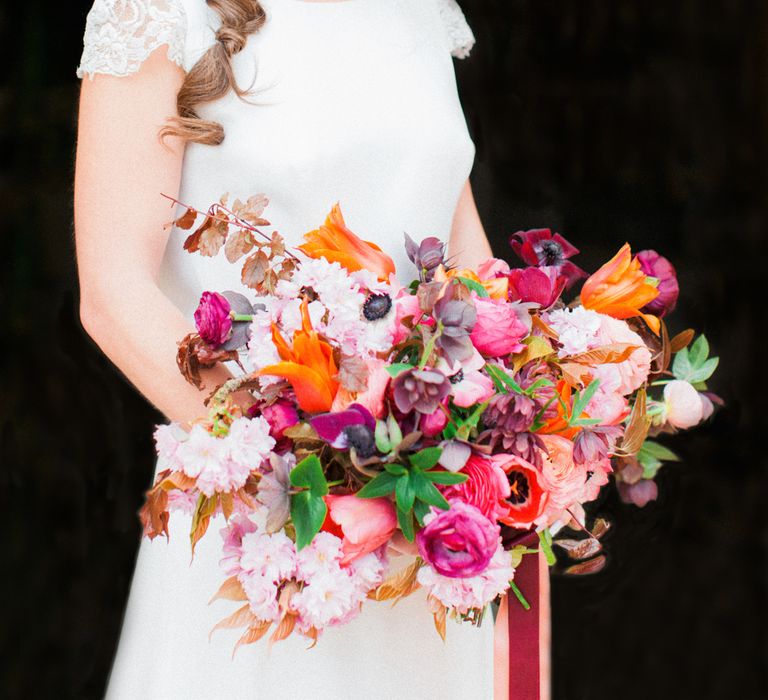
(280, 415)
(498, 329)
(542, 285)
(212, 318)
(458, 542)
(655, 265)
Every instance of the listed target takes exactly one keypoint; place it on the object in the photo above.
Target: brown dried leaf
(427, 294)
(637, 427)
(575, 374)
(277, 244)
(252, 634)
(440, 617)
(192, 243)
(177, 480)
(592, 566)
(231, 589)
(301, 431)
(600, 527)
(154, 513)
(681, 340)
(284, 628)
(227, 504)
(543, 328)
(186, 220)
(607, 354)
(205, 508)
(287, 267)
(353, 373)
(254, 269)
(399, 585)
(241, 617)
(252, 210)
(238, 244)
(580, 549)
(666, 347)
(213, 238)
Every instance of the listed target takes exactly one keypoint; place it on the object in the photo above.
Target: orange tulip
(497, 287)
(308, 366)
(336, 243)
(620, 289)
(559, 423)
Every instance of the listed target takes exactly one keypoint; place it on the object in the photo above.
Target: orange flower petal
(312, 391)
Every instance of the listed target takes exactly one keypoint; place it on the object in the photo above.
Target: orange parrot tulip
(620, 289)
(558, 424)
(309, 366)
(497, 287)
(336, 243)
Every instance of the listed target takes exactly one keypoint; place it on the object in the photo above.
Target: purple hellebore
(420, 390)
(427, 256)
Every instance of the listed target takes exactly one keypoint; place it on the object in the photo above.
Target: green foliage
(693, 364)
(394, 369)
(308, 509)
(652, 455)
(474, 286)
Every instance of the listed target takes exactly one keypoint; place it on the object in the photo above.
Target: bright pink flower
(486, 488)
(433, 423)
(212, 318)
(363, 524)
(406, 305)
(541, 285)
(458, 542)
(471, 387)
(655, 265)
(280, 415)
(498, 329)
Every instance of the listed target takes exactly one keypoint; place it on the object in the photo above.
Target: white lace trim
(120, 35)
(460, 36)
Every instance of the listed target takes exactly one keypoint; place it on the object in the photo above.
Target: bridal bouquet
(461, 418)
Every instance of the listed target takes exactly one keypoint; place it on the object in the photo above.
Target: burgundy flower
(280, 415)
(427, 256)
(459, 542)
(541, 285)
(212, 318)
(350, 428)
(655, 265)
(542, 248)
(420, 390)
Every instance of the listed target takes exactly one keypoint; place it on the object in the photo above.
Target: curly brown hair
(212, 76)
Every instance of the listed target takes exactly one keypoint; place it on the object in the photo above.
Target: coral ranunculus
(620, 288)
(526, 499)
(458, 542)
(336, 243)
(486, 488)
(363, 524)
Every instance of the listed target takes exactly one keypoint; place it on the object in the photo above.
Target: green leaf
(396, 469)
(446, 478)
(698, 352)
(426, 491)
(395, 369)
(420, 510)
(468, 424)
(705, 371)
(404, 492)
(379, 486)
(659, 451)
(474, 286)
(681, 367)
(650, 465)
(395, 433)
(309, 474)
(405, 520)
(381, 435)
(502, 380)
(450, 431)
(582, 399)
(307, 513)
(426, 459)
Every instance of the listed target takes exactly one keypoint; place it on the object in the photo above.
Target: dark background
(607, 120)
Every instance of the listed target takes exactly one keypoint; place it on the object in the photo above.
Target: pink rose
(655, 265)
(498, 329)
(486, 488)
(363, 524)
(683, 406)
(212, 318)
(458, 542)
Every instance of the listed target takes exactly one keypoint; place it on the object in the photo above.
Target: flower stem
(242, 317)
(519, 595)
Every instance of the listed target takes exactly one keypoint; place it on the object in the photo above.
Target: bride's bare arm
(468, 245)
(121, 168)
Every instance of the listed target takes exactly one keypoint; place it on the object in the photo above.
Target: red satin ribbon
(523, 626)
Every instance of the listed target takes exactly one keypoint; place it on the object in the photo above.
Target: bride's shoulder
(458, 33)
(120, 34)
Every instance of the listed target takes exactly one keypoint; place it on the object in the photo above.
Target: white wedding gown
(354, 101)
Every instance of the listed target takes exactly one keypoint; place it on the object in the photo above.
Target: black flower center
(377, 306)
(520, 488)
(551, 253)
(456, 378)
(361, 438)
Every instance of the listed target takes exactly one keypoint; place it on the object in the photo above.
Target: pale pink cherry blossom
(249, 441)
(270, 555)
(201, 452)
(167, 440)
(262, 593)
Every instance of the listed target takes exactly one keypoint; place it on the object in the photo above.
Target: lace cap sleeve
(458, 33)
(120, 35)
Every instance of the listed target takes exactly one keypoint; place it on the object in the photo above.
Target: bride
(310, 102)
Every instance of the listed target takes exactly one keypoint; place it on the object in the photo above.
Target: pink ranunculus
(540, 285)
(607, 405)
(458, 542)
(406, 304)
(655, 265)
(486, 487)
(498, 329)
(363, 524)
(433, 423)
(683, 406)
(280, 415)
(470, 387)
(212, 318)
